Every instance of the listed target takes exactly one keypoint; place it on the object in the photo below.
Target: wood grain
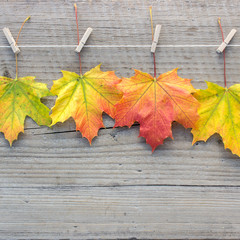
(120, 212)
(53, 185)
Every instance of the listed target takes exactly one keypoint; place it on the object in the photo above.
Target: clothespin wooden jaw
(226, 41)
(11, 40)
(83, 40)
(155, 38)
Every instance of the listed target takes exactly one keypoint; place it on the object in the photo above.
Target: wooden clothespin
(11, 40)
(83, 40)
(155, 38)
(226, 41)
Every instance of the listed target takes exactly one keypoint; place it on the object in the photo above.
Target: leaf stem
(150, 10)
(22, 28)
(17, 42)
(16, 66)
(154, 60)
(80, 63)
(224, 58)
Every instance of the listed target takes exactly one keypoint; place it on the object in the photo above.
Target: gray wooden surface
(53, 185)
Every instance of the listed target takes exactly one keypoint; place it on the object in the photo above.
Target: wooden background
(53, 185)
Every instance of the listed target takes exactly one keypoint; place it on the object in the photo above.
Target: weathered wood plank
(153, 212)
(199, 64)
(120, 22)
(117, 157)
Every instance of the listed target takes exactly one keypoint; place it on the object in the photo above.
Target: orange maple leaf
(155, 103)
(84, 98)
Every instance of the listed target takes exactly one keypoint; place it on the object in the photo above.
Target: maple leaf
(20, 98)
(219, 113)
(155, 103)
(84, 98)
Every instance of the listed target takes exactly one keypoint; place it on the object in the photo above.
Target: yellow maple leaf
(20, 98)
(84, 98)
(219, 113)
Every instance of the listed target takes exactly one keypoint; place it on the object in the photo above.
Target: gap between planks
(118, 46)
(71, 187)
